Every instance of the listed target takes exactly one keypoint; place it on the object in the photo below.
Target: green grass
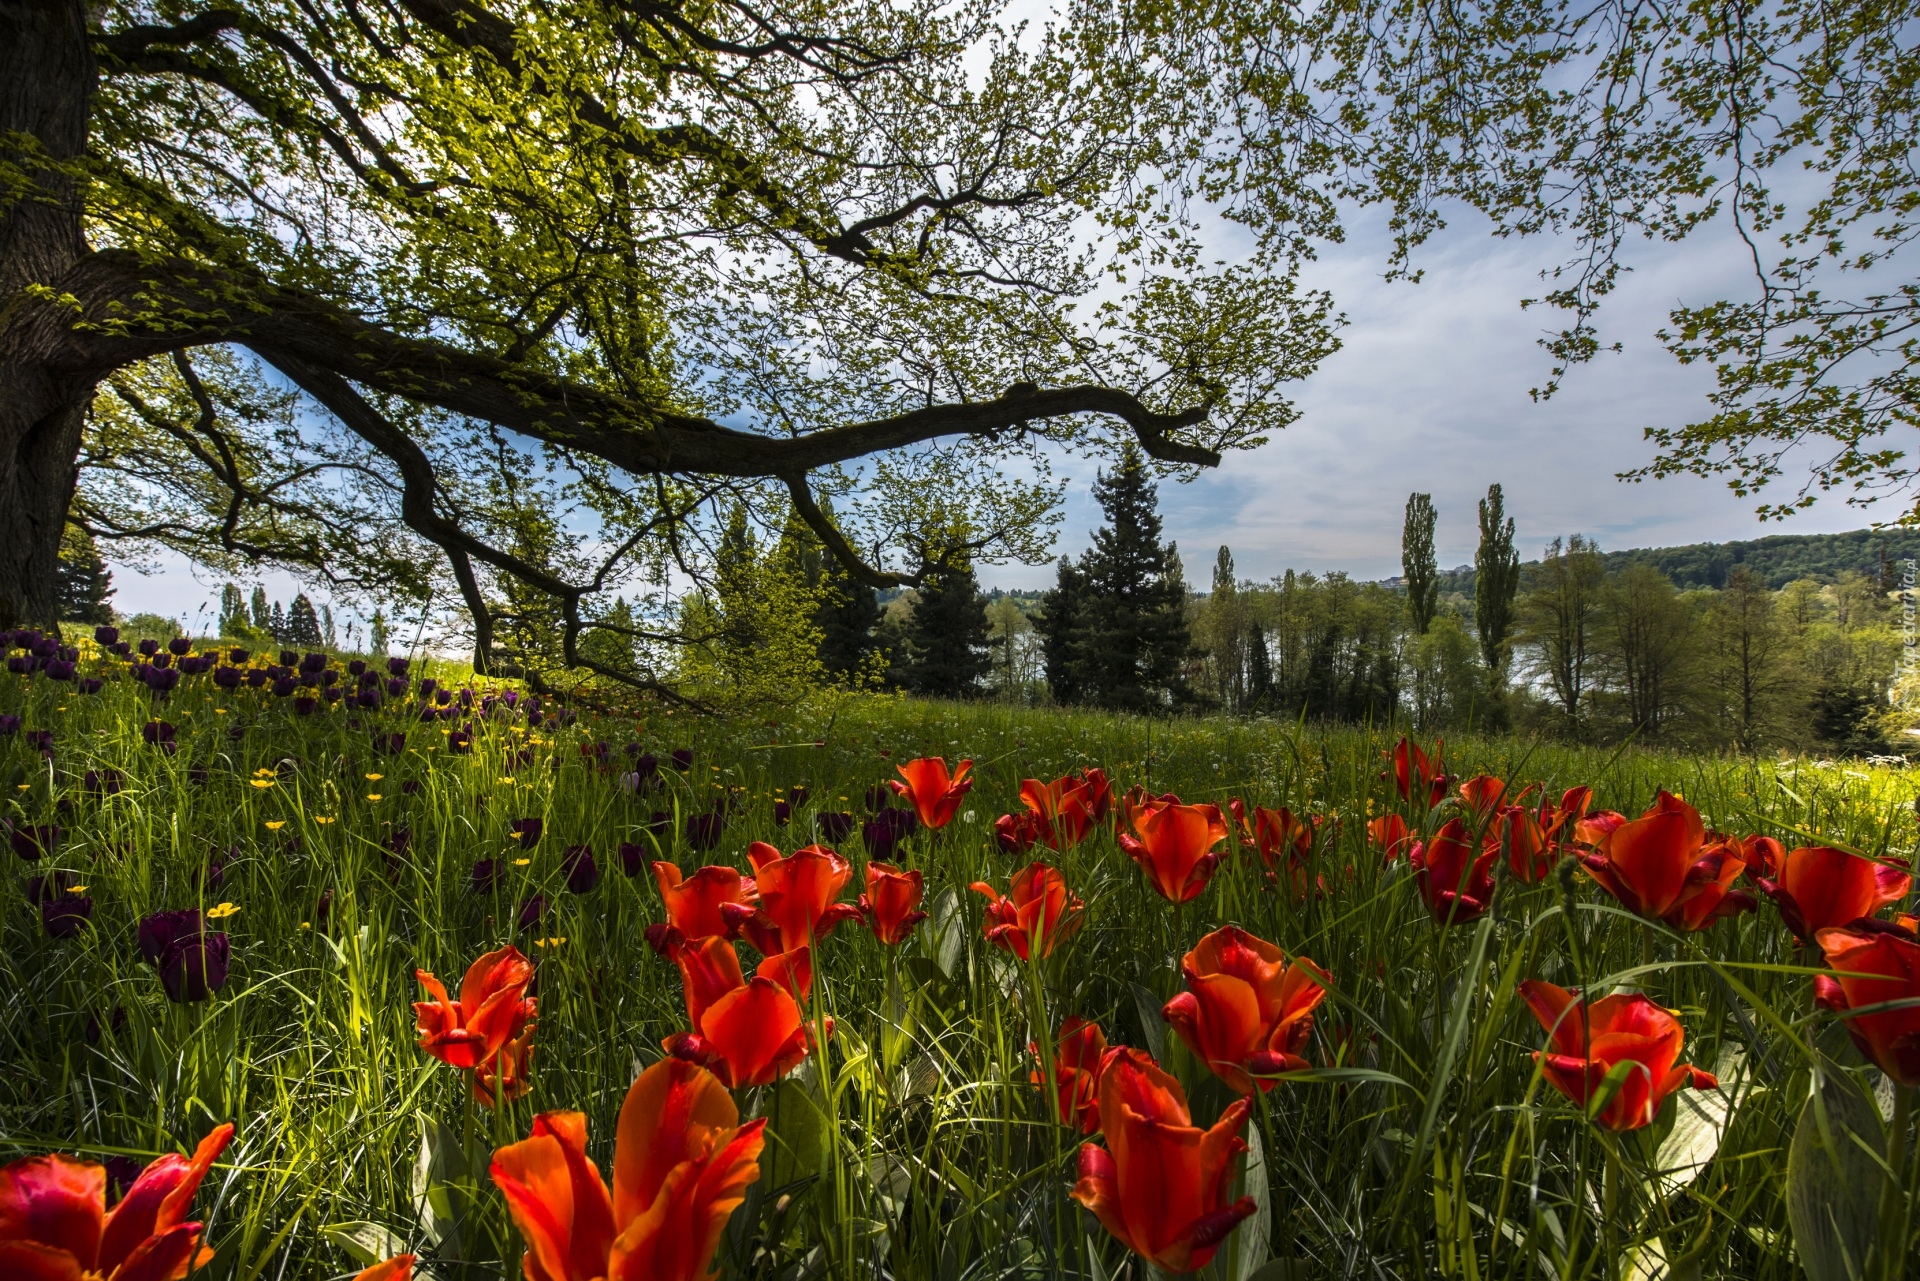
(1445, 1157)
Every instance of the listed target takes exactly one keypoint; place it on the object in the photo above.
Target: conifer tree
(303, 624)
(233, 611)
(84, 583)
(847, 609)
(1417, 565)
(1062, 626)
(947, 634)
(1259, 670)
(277, 624)
(1496, 580)
(262, 612)
(1136, 639)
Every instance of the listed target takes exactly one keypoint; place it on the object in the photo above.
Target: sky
(1428, 393)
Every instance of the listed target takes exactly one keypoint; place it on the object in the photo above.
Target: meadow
(1410, 1133)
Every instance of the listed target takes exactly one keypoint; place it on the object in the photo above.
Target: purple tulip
(323, 909)
(288, 658)
(460, 741)
(661, 824)
(683, 759)
(199, 775)
(62, 917)
(305, 705)
(410, 788)
(41, 741)
(632, 858)
(283, 687)
(227, 677)
(485, 875)
(35, 841)
(122, 650)
(466, 698)
(397, 666)
(149, 647)
(106, 635)
(531, 912)
(158, 931)
(397, 687)
(583, 873)
(528, 830)
(356, 667)
(835, 826)
(239, 657)
(887, 830)
(442, 697)
(163, 680)
(216, 870)
(179, 645)
(88, 684)
(58, 669)
(703, 830)
(879, 797)
(329, 678)
(20, 666)
(195, 967)
(160, 734)
(9, 724)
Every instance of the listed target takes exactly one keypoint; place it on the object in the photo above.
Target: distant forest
(1778, 559)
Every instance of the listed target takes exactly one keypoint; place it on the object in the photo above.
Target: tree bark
(47, 79)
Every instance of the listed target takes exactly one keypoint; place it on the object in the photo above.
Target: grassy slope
(942, 1162)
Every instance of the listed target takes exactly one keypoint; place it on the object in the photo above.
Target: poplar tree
(1418, 569)
(1496, 580)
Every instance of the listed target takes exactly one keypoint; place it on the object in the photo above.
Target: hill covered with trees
(1777, 559)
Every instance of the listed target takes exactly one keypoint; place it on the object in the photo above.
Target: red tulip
(1821, 888)
(682, 1163)
(1018, 833)
(492, 1013)
(1587, 1042)
(932, 792)
(1415, 776)
(503, 1078)
(1484, 793)
(398, 1268)
(709, 969)
(1061, 810)
(1389, 835)
(797, 894)
(54, 1224)
(1277, 831)
(1456, 882)
(695, 904)
(1161, 1183)
(891, 902)
(1534, 842)
(1763, 856)
(1246, 1012)
(1099, 791)
(1875, 964)
(1037, 911)
(1175, 847)
(1076, 1067)
(1656, 867)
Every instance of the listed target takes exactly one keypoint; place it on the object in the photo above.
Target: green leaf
(1833, 1180)
(442, 1189)
(796, 1134)
(1153, 1026)
(368, 1243)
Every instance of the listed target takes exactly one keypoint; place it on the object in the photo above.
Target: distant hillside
(1779, 558)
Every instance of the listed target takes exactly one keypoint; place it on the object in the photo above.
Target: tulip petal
(161, 1257)
(533, 1176)
(56, 1201)
(31, 1261)
(752, 1028)
(1554, 1007)
(398, 1268)
(592, 1231)
(674, 1112)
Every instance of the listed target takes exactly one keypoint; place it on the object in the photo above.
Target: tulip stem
(1896, 1207)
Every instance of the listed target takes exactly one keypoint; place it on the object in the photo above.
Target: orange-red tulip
(797, 893)
(504, 1077)
(695, 903)
(1763, 856)
(1875, 964)
(1018, 833)
(709, 969)
(1417, 777)
(1821, 888)
(1483, 793)
(1535, 842)
(1278, 832)
(1099, 791)
(1389, 835)
(398, 1268)
(1588, 1041)
(892, 901)
(682, 1163)
(1076, 1067)
(1656, 867)
(1062, 810)
(1246, 1012)
(1175, 846)
(753, 1035)
(492, 1013)
(934, 794)
(1037, 911)
(1454, 879)
(54, 1224)
(1161, 1183)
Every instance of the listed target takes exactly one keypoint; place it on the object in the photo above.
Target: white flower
(967, 817)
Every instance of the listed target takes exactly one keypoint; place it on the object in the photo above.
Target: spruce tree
(83, 581)
(303, 624)
(1421, 574)
(947, 634)
(277, 624)
(1136, 639)
(1496, 580)
(1062, 625)
(846, 610)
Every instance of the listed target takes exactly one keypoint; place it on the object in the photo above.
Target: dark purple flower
(782, 813)
(106, 781)
(227, 677)
(583, 873)
(284, 687)
(199, 775)
(88, 684)
(163, 663)
(106, 635)
(797, 795)
(216, 869)
(397, 688)
(149, 647)
(888, 829)
(195, 967)
(9, 724)
(117, 1020)
(163, 680)
(528, 830)
(835, 826)
(399, 841)
(333, 693)
(288, 658)
(49, 886)
(486, 874)
(645, 764)
(703, 830)
(236, 732)
(531, 912)
(58, 669)
(313, 664)
(410, 788)
(367, 698)
(879, 797)
(442, 697)
(683, 759)
(460, 741)
(20, 666)
(34, 841)
(179, 645)
(389, 744)
(257, 678)
(160, 734)
(466, 697)
(632, 858)
(239, 657)
(356, 667)
(62, 917)
(428, 685)
(121, 1170)
(329, 678)
(397, 666)
(122, 650)
(305, 705)
(661, 824)
(323, 909)
(41, 741)
(158, 931)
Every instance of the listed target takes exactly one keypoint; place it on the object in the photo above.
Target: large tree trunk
(46, 84)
